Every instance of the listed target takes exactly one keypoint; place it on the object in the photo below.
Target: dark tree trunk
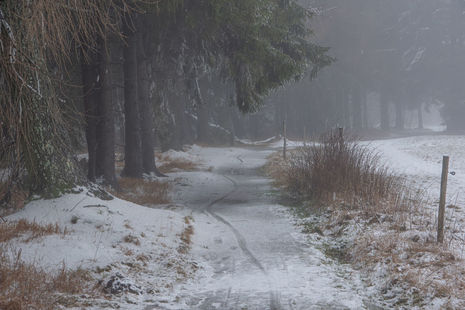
(89, 67)
(384, 111)
(146, 110)
(132, 147)
(105, 162)
(202, 115)
(180, 121)
(202, 123)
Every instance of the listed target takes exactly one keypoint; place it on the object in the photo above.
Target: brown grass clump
(340, 172)
(143, 192)
(25, 286)
(169, 164)
(11, 230)
(186, 237)
(341, 166)
(276, 167)
(131, 239)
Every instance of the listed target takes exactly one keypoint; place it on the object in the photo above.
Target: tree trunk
(346, 108)
(91, 87)
(179, 129)
(357, 107)
(202, 116)
(399, 116)
(132, 147)
(420, 116)
(105, 162)
(365, 123)
(202, 123)
(145, 111)
(384, 111)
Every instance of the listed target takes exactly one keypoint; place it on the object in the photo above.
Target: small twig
(77, 204)
(96, 206)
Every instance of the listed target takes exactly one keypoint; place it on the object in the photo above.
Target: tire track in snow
(274, 296)
(240, 239)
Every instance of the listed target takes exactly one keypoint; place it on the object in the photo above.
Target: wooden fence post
(442, 198)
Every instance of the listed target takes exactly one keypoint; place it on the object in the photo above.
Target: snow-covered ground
(110, 238)
(419, 159)
(246, 253)
(253, 254)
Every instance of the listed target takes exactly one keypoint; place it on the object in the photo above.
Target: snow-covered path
(253, 256)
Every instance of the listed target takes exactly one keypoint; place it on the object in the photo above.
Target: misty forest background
(115, 77)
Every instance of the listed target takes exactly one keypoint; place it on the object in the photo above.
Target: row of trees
(394, 58)
(122, 68)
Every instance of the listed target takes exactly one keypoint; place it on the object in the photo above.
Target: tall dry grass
(27, 285)
(143, 192)
(341, 166)
(341, 171)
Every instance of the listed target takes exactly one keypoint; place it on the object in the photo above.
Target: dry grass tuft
(143, 192)
(169, 164)
(11, 230)
(276, 167)
(186, 237)
(25, 286)
(131, 239)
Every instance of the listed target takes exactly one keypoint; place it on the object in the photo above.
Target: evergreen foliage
(255, 46)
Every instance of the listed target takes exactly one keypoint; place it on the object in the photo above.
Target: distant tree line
(394, 60)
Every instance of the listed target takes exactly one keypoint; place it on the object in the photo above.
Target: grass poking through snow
(27, 286)
(143, 192)
(373, 219)
(168, 164)
(31, 230)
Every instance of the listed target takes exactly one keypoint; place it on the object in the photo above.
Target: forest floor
(224, 241)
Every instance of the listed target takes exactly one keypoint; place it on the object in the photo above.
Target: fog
(398, 65)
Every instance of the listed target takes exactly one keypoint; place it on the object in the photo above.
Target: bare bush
(342, 169)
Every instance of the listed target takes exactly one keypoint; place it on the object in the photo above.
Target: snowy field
(419, 159)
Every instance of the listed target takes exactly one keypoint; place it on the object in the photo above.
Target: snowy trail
(274, 299)
(253, 256)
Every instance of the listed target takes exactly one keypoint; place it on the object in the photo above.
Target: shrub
(342, 167)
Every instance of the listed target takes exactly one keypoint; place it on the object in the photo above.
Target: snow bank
(125, 245)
